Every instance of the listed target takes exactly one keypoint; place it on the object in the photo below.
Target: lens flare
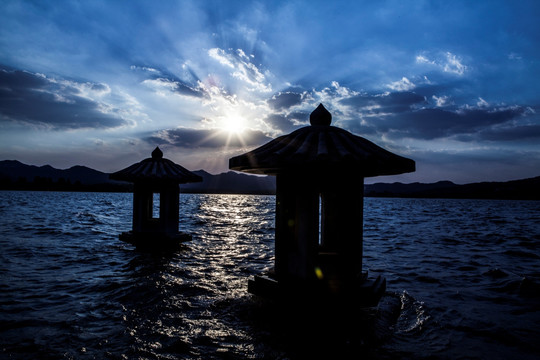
(319, 273)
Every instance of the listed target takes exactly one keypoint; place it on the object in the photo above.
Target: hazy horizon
(367, 180)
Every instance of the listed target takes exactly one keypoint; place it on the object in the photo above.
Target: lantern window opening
(155, 205)
(322, 220)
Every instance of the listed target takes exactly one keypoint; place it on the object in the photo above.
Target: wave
(456, 270)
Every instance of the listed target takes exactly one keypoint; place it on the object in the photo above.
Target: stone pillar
(169, 208)
(297, 230)
(142, 207)
(342, 228)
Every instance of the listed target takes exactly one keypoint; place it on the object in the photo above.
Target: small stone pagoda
(320, 171)
(152, 178)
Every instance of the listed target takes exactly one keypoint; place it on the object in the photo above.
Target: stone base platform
(360, 292)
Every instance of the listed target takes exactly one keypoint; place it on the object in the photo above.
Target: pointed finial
(320, 116)
(157, 153)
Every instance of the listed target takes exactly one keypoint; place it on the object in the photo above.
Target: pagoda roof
(321, 146)
(156, 168)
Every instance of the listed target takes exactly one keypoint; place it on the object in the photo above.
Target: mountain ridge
(15, 175)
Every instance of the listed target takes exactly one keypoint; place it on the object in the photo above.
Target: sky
(453, 85)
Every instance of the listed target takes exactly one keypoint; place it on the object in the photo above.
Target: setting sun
(233, 124)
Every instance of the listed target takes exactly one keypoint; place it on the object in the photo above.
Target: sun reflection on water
(195, 292)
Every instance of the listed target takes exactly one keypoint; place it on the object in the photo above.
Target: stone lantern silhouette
(155, 178)
(320, 171)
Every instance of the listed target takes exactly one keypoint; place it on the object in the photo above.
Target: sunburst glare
(233, 124)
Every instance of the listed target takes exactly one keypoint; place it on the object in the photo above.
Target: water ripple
(462, 275)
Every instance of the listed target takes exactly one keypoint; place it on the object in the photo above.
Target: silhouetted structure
(320, 172)
(154, 177)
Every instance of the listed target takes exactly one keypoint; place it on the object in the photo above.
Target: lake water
(465, 274)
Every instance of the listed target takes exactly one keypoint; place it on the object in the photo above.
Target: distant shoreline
(368, 194)
(15, 175)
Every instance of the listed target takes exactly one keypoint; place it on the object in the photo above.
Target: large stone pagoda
(320, 171)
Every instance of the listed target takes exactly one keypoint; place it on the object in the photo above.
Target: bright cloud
(454, 65)
(221, 57)
(447, 62)
(401, 85)
(242, 69)
(441, 101)
(482, 103)
(424, 60)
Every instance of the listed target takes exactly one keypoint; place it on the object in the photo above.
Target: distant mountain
(393, 189)
(528, 189)
(16, 175)
(15, 169)
(231, 183)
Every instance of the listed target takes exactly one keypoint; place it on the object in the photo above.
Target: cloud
(407, 114)
(361, 128)
(401, 85)
(512, 133)
(434, 123)
(241, 67)
(284, 100)
(441, 101)
(206, 138)
(447, 62)
(453, 64)
(58, 104)
(162, 82)
(522, 129)
(300, 117)
(421, 59)
(387, 103)
(482, 103)
(161, 85)
(280, 122)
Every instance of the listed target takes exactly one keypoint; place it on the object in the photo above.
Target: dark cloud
(396, 102)
(299, 116)
(32, 98)
(436, 123)
(207, 138)
(99, 87)
(20, 80)
(358, 128)
(182, 87)
(279, 122)
(521, 133)
(284, 100)
(406, 114)
(440, 85)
